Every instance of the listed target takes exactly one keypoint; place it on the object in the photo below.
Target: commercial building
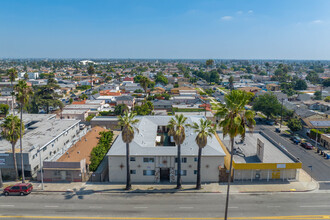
(258, 157)
(153, 154)
(52, 136)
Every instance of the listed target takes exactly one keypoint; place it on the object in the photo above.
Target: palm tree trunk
(12, 98)
(229, 176)
(15, 162)
(178, 179)
(128, 172)
(198, 184)
(21, 145)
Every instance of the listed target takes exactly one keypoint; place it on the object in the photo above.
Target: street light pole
(281, 113)
(311, 167)
(41, 173)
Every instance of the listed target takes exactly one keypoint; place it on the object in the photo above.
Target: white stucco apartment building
(153, 154)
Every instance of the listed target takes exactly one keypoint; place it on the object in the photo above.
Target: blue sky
(219, 29)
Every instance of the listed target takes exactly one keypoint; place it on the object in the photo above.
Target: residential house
(126, 99)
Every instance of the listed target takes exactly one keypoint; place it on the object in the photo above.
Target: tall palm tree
(234, 120)
(23, 92)
(144, 82)
(204, 130)
(10, 130)
(128, 122)
(91, 71)
(12, 73)
(231, 82)
(177, 130)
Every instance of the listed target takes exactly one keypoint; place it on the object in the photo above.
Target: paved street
(207, 205)
(321, 166)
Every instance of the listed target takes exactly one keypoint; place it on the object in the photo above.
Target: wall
(209, 167)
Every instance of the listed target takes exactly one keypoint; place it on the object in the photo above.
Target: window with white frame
(183, 172)
(132, 159)
(148, 172)
(183, 160)
(133, 171)
(148, 160)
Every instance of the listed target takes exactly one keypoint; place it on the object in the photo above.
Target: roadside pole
(41, 173)
(281, 113)
(311, 167)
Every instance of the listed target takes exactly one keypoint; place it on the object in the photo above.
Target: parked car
(270, 122)
(307, 145)
(18, 189)
(277, 130)
(296, 139)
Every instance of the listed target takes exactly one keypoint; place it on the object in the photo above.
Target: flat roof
(76, 111)
(39, 133)
(83, 148)
(248, 149)
(144, 142)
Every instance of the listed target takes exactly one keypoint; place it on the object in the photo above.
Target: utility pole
(41, 173)
(281, 113)
(1, 184)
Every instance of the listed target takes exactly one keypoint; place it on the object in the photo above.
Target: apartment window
(148, 172)
(183, 160)
(183, 172)
(196, 159)
(133, 171)
(148, 160)
(195, 172)
(57, 173)
(132, 159)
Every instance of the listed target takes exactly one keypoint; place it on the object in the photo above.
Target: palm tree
(23, 92)
(127, 122)
(10, 130)
(231, 82)
(144, 82)
(177, 130)
(204, 130)
(12, 73)
(91, 72)
(234, 120)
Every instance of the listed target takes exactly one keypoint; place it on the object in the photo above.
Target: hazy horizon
(233, 30)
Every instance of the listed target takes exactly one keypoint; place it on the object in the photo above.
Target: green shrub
(102, 148)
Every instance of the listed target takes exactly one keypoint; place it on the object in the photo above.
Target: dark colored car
(307, 145)
(278, 130)
(18, 189)
(295, 139)
(270, 122)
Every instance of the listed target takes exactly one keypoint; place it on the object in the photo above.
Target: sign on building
(260, 150)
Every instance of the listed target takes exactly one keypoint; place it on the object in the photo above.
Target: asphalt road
(320, 166)
(207, 205)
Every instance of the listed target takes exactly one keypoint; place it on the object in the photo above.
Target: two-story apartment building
(153, 154)
(44, 132)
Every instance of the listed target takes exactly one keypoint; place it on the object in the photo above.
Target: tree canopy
(267, 104)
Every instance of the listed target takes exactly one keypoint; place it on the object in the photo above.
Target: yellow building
(259, 158)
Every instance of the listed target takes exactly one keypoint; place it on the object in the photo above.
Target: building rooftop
(40, 129)
(83, 148)
(144, 142)
(247, 152)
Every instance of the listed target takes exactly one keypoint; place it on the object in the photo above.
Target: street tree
(177, 129)
(204, 130)
(10, 130)
(267, 104)
(12, 73)
(23, 93)
(234, 119)
(294, 124)
(128, 124)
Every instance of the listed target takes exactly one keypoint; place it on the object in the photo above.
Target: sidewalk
(303, 185)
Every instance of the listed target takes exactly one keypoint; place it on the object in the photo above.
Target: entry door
(63, 175)
(276, 174)
(164, 174)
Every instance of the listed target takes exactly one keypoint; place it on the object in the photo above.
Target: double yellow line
(174, 218)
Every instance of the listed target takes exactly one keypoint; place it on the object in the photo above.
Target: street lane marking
(95, 207)
(186, 207)
(7, 205)
(273, 206)
(314, 206)
(139, 207)
(175, 218)
(51, 206)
